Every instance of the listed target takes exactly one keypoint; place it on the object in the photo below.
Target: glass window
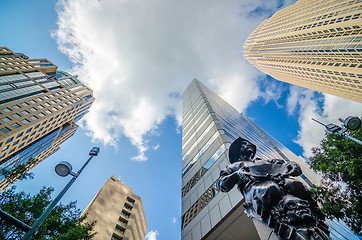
(16, 142)
(25, 121)
(130, 200)
(15, 125)
(33, 118)
(120, 229)
(5, 119)
(25, 112)
(15, 115)
(16, 107)
(19, 135)
(29, 130)
(9, 140)
(125, 213)
(24, 104)
(122, 221)
(33, 109)
(115, 237)
(32, 101)
(128, 207)
(6, 110)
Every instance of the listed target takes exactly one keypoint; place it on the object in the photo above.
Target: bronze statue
(271, 193)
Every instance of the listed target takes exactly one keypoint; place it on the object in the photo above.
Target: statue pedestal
(264, 231)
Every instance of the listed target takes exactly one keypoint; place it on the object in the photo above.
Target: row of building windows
(277, 26)
(308, 13)
(320, 73)
(318, 24)
(200, 143)
(200, 204)
(208, 164)
(315, 12)
(310, 44)
(122, 219)
(196, 121)
(51, 124)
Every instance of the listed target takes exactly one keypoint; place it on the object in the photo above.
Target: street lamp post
(350, 123)
(63, 169)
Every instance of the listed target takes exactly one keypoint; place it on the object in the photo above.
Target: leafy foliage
(20, 172)
(340, 160)
(61, 224)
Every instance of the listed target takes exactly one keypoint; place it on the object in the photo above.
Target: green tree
(340, 161)
(20, 172)
(63, 223)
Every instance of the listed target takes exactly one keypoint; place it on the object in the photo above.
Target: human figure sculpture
(269, 189)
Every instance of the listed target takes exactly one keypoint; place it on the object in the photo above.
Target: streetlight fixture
(62, 169)
(350, 123)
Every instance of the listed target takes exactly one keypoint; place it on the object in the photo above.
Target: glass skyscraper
(314, 44)
(209, 126)
(38, 110)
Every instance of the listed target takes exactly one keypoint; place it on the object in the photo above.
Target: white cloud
(327, 109)
(151, 235)
(174, 220)
(156, 147)
(139, 56)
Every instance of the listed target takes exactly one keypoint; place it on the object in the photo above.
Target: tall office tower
(118, 212)
(314, 44)
(209, 126)
(38, 110)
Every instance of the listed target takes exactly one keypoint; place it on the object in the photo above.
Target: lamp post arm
(16, 222)
(53, 203)
(352, 138)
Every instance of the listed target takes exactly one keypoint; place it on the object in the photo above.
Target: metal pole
(16, 222)
(318, 122)
(352, 138)
(53, 203)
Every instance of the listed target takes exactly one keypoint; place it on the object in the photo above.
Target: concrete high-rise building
(118, 212)
(313, 44)
(38, 110)
(209, 126)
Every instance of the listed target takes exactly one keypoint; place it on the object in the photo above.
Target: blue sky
(138, 57)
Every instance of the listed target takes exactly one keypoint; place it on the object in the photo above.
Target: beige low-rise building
(118, 213)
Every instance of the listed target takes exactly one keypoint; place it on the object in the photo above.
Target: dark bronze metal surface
(272, 194)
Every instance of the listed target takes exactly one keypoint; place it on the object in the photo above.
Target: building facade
(38, 110)
(118, 213)
(313, 44)
(209, 126)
